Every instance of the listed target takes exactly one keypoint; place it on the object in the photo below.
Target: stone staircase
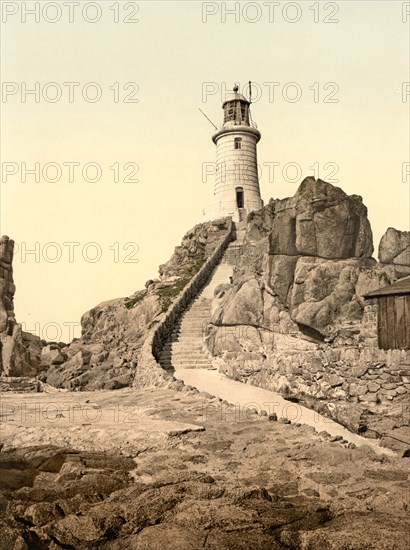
(185, 348)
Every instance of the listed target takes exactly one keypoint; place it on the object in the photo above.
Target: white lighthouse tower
(236, 191)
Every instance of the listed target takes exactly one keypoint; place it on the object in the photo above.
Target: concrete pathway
(245, 396)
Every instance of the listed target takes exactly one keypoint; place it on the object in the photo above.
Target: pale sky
(351, 119)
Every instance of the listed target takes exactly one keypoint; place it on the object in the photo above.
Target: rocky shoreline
(203, 482)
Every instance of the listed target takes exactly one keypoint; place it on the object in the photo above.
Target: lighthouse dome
(234, 96)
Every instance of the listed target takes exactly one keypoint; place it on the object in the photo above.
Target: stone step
(199, 314)
(185, 346)
(196, 338)
(186, 329)
(185, 349)
(186, 360)
(189, 345)
(198, 322)
(199, 310)
(194, 343)
(182, 357)
(198, 331)
(188, 323)
(188, 332)
(180, 346)
(191, 339)
(190, 326)
(185, 364)
(193, 317)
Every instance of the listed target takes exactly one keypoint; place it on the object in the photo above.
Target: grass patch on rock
(168, 294)
(129, 303)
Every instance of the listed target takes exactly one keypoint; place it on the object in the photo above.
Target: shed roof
(399, 288)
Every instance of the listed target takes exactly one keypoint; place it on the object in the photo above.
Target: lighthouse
(236, 190)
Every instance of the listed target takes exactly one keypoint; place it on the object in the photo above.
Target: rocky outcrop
(307, 254)
(7, 287)
(394, 247)
(107, 354)
(320, 221)
(19, 350)
(294, 318)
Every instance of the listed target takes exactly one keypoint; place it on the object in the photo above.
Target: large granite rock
(320, 221)
(394, 247)
(313, 253)
(324, 291)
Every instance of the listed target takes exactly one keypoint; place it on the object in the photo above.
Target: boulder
(17, 357)
(394, 247)
(245, 306)
(51, 355)
(324, 291)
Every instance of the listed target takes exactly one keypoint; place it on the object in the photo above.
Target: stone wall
(364, 388)
(149, 371)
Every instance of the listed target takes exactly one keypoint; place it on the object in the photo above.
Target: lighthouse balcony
(236, 128)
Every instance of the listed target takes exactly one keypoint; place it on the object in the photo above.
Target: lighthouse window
(238, 143)
(229, 114)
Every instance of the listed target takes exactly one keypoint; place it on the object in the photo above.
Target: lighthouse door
(239, 197)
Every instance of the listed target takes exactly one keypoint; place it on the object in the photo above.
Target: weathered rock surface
(240, 483)
(394, 247)
(320, 220)
(19, 351)
(7, 287)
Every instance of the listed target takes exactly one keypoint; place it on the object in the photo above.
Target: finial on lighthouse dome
(235, 88)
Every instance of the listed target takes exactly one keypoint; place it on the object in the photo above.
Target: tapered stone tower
(236, 191)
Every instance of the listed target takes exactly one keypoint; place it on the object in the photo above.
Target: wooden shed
(393, 314)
